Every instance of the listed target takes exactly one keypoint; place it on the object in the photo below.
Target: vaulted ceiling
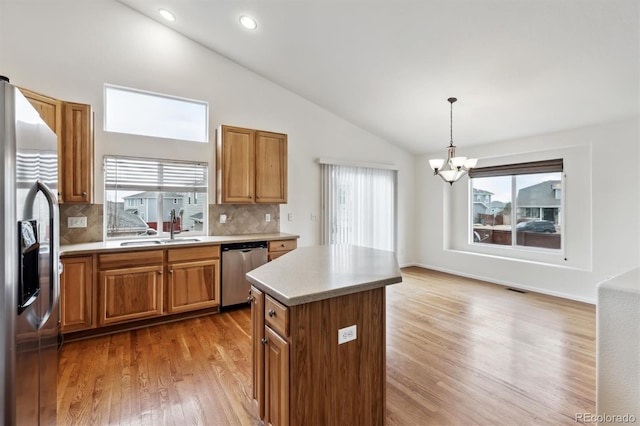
(518, 67)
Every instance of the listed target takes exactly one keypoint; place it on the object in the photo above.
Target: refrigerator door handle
(54, 267)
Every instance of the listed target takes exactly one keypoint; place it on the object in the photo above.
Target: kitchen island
(318, 332)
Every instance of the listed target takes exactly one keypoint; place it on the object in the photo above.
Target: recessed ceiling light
(248, 22)
(167, 15)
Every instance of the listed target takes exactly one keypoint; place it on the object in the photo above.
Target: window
(525, 197)
(136, 112)
(359, 205)
(140, 194)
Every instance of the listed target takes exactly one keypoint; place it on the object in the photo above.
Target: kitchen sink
(157, 242)
(140, 243)
(181, 240)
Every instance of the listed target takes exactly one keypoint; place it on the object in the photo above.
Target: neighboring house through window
(140, 194)
(526, 197)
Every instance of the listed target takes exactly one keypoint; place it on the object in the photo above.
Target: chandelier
(455, 167)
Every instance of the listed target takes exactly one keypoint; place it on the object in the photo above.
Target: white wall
(69, 48)
(601, 222)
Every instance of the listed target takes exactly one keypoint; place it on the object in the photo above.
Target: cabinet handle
(249, 299)
(272, 313)
(171, 271)
(84, 195)
(264, 341)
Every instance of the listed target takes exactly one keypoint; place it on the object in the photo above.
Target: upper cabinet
(71, 122)
(76, 178)
(251, 166)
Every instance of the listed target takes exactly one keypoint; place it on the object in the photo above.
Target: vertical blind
(134, 174)
(359, 205)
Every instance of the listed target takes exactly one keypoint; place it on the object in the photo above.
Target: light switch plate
(267, 217)
(77, 222)
(223, 218)
(347, 334)
(290, 217)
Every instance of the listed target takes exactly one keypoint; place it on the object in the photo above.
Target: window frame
(162, 187)
(132, 90)
(513, 170)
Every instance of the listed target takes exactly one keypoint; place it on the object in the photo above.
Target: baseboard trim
(504, 283)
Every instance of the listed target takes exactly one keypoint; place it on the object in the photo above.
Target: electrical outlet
(347, 334)
(290, 217)
(314, 217)
(267, 217)
(77, 222)
(223, 218)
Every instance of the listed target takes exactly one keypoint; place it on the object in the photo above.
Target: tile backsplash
(93, 231)
(243, 219)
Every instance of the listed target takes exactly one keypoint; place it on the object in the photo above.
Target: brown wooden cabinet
(279, 247)
(130, 286)
(257, 354)
(270, 331)
(310, 377)
(251, 166)
(276, 382)
(76, 294)
(77, 154)
(193, 280)
(72, 123)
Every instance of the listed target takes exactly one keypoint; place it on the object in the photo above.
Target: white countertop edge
(322, 295)
(628, 282)
(114, 245)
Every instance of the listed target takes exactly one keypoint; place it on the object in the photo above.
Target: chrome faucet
(171, 222)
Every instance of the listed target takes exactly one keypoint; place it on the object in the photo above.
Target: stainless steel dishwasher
(237, 260)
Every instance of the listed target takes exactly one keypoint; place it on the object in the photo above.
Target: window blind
(533, 167)
(359, 206)
(136, 174)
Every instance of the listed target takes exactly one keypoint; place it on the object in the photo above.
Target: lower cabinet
(193, 279)
(302, 374)
(279, 247)
(76, 301)
(276, 382)
(257, 348)
(131, 293)
(270, 358)
(130, 286)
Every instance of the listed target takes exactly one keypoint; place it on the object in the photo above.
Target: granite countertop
(115, 245)
(309, 274)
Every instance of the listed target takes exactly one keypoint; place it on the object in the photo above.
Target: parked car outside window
(536, 226)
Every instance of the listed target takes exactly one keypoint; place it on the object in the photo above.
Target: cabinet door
(235, 165)
(75, 293)
(131, 293)
(271, 167)
(276, 392)
(50, 111)
(193, 285)
(77, 154)
(257, 356)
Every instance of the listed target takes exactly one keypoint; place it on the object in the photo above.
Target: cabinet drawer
(282, 245)
(130, 259)
(276, 315)
(193, 253)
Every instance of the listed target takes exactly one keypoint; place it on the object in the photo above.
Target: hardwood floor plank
(459, 352)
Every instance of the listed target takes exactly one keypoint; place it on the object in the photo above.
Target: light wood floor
(459, 351)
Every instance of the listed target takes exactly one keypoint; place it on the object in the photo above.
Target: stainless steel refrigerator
(29, 263)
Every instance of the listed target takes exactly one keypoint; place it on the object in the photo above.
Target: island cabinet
(193, 280)
(130, 286)
(72, 124)
(76, 294)
(251, 166)
(319, 345)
